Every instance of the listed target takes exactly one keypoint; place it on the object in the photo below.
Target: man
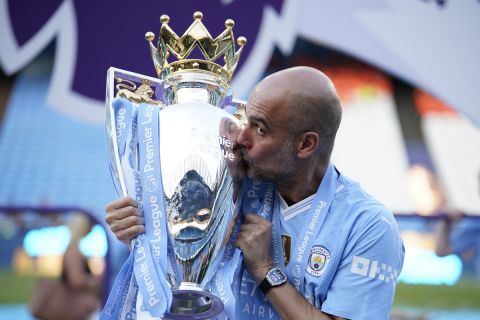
(459, 234)
(341, 248)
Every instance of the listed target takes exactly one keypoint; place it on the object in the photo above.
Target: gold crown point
(241, 41)
(229, 23)
(198, 15)
(149, 36)
(169, 43)
(164, 19)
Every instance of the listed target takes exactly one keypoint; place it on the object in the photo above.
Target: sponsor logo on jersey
(374, 269)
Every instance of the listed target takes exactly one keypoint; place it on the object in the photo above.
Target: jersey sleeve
(364, 284)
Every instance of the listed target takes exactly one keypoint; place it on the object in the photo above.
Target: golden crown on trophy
(196, 35)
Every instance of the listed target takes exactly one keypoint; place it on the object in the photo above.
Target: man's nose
(243, 139)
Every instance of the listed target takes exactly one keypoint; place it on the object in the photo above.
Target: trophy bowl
(199, 195)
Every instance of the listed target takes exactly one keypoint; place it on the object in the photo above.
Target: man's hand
(254, 241)
(124, 219)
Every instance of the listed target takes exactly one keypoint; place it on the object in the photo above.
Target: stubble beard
(277, 168)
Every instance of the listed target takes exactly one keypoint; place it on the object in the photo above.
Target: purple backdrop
(111, 33)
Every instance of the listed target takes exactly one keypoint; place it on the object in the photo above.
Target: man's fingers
(248, 234)
(126, 223)
(127, 234)
(248, 228)
(239, 241)
(255, 223)
(252, 231)
(121, 203)
(124, 219)
(121, 213)
(254, 218)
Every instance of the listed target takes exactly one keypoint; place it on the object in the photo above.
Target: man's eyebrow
(258, 120)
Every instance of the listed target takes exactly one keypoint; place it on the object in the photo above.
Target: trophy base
(192, 302)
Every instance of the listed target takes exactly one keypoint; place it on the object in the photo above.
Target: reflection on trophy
(196, 158)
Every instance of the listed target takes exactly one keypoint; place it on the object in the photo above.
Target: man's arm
(254, 241)
(289, 304)
(442, 235)
(76, 276)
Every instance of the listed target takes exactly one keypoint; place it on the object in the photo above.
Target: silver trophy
(198, 125)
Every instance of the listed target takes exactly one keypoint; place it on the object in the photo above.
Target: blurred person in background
(78, 293)
(455, 232)
(460, 235)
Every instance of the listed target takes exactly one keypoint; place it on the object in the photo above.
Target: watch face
(276, 277)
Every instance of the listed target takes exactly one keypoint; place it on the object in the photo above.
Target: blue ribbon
(150, 250)
(255, 197)
(123, 112)
(147, 260)
(116, 299)
(317, 213)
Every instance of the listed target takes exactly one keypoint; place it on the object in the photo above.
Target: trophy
(190, 146)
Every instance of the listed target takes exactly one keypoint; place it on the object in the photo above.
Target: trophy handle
(112, 141)
(137, 89)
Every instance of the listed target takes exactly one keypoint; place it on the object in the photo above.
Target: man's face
(268, 149)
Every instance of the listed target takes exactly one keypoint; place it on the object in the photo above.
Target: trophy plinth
(190, 301)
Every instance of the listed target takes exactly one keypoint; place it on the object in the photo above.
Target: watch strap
(265, 286)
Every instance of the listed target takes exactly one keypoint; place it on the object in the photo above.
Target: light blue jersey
(353, 264)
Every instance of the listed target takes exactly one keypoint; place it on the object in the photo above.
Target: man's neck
(303, 185)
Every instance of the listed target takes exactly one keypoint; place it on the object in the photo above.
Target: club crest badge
(318, 260)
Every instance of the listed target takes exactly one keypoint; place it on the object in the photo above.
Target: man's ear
(307, 144)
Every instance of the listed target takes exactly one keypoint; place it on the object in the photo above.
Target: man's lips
(244, 160)
(243, 155)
